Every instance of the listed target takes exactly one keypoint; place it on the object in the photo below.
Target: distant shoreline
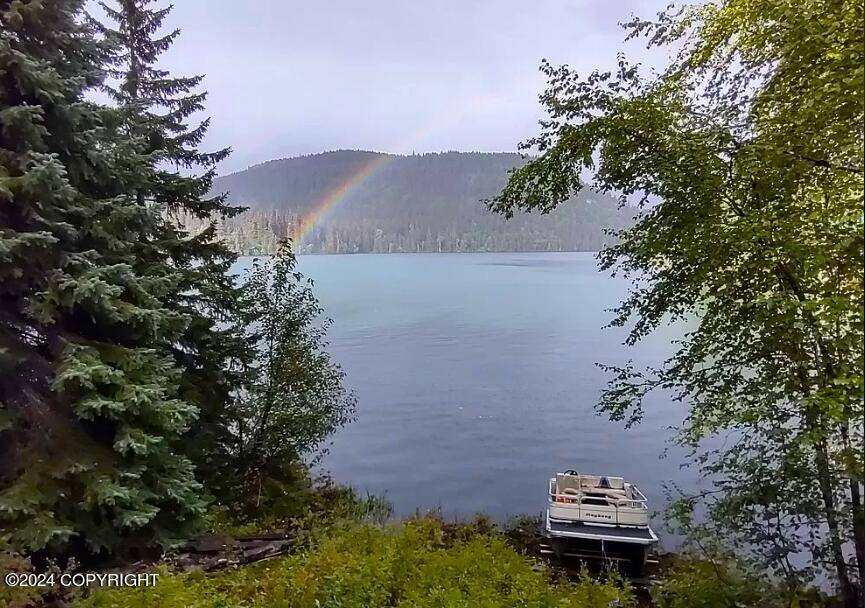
(383, 253)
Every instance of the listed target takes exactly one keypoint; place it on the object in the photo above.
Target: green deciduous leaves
(746, 156)
(295, 397)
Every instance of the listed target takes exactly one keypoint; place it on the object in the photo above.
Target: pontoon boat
(597, 499)
(598, 517)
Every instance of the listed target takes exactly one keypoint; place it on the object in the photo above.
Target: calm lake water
(476, 380)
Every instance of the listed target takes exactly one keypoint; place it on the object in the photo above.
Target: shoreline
(435, 253)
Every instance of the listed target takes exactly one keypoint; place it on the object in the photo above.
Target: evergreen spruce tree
(91, 410)
(212, 351)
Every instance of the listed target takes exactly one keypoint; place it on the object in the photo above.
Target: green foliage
(251, 356)
(92, 413)
(413, 565)
(295, 397)
(16, 597)
(301, 504)
(51, 593)
(747, 156)
(722, 582)
(127, 349)
(155, 108)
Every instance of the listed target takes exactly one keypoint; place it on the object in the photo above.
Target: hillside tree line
(408, 204)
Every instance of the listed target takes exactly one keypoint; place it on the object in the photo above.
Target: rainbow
(335, 195)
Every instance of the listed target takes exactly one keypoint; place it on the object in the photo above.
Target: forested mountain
(388, 203)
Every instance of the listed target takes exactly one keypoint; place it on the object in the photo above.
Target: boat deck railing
(637, 500)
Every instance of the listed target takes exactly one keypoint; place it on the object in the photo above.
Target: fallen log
(211, 552)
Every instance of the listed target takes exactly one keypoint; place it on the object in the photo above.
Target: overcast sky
(287, 77)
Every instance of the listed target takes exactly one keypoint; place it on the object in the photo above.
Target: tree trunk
(851, 596)
(824, 480)
(859, 536)
(858, 511)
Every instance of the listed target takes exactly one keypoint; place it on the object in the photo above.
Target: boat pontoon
(598, 517)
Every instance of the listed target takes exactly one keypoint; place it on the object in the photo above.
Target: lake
(476, 380)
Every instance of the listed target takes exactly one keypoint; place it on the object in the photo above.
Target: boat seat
(606, 492)
(570, 492)
(623, 502)
(589, 489)
(565, 482)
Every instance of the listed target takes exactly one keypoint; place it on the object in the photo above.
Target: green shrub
(301, 503)
(15, 597)
(725, 581)
(422, 563)
(33, 596)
